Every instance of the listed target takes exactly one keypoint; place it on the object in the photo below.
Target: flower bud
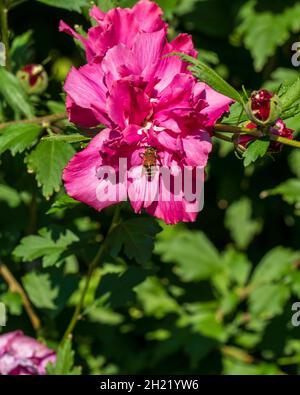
(61, 68)
(263, 107)
(33, 78)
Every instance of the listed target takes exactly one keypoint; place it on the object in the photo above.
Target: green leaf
(281, 78)
(291, 95)
(256, 149)
(64, 361)
(204, 73)
(237, 115)
(155, 299)
(136, 236)
(263, 32)
(44, 246)
(56, 107)
(39, 289)
(237, 267)
(47, 161)
(13, 302)
(118, 289)
(238, 216)
(194, 255)
(268, 300)
(62, 203)
(274, 266)
(202, 317)
(50, 291)
(289, 190)
(294, 162)
(14, 94)
(68, 138)
(71, 5)
(106, 5)
(10, 196)
(18, 137)
(237, 368)
(21, 51)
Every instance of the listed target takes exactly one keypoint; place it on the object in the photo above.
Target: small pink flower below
(23, 355)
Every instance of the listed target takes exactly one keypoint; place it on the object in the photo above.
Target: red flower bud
(261, 104)
(33, 78)
(263, 107)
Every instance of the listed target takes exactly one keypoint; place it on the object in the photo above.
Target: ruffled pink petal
(148, 14)
(97, 14)
(183, 43)
(218, 104)
(23, 355)
(87, 95)
(172, 65)
(125, 26)
(80, 115)
(177, 94)
(142, 190)
(81, 176)
(63, 27)
(197, 149)
(6, 339)
(168, 140)
(172, 212)
(118, 63)
(147, 50)
(131, 134)
(127, 104)
(175, 203)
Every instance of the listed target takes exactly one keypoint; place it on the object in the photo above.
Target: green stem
(92, 267)
(237, 130)
(4, 29)
(284, 140)
(253, 132)
(222, 137)
(44, 121)
(221, 127)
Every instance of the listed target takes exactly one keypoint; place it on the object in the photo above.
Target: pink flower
(152, 107)
(22, 355)
(117, 26)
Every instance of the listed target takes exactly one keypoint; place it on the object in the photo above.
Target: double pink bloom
(144, 99)
(22, 355)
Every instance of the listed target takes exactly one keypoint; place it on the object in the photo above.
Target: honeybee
(150, 158)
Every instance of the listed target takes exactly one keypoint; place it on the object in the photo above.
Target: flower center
(149, 125)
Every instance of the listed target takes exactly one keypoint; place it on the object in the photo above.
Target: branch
(222, 137)
(45, 121)
(237, 354)
(236, 129)
(15, 286)
(4, 30)
(253, 132)
(284, 140)
(92, 267)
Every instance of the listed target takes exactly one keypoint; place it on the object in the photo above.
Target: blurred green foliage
(215, 296)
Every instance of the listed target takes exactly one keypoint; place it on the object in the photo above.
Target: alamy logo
(2, 314)
(2, 54)
(296, 315)
(296, 56)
